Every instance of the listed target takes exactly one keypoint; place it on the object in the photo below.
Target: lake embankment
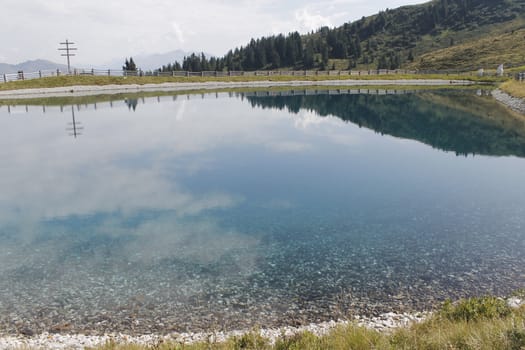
(90, 90)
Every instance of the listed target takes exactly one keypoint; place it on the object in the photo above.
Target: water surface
(232, 210)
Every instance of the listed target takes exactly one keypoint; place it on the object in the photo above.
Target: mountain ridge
(31, 66)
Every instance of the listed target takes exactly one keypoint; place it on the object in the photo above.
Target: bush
(475, 309)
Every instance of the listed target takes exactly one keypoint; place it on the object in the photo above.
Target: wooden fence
(120, 73)
(33, 75)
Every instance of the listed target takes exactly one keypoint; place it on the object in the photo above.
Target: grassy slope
(477, 323)
(487, 52)
(441, 39)
(464, 40)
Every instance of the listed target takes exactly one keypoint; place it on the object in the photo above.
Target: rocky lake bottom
(280, 284)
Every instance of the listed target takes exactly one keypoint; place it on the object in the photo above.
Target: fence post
(58, 72)
(5, 79)
(202, 73)
(187, 73)
(109, 72)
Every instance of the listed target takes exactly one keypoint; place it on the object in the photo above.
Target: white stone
(515, 302)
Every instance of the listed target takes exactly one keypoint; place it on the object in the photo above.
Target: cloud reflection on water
(129, 162)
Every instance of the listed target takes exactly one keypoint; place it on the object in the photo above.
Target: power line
(67, 48)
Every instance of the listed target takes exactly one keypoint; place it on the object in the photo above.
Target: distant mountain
(149, 62)
(31, 66)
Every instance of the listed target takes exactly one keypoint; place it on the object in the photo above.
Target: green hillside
(408, 36)
(440, 34)
(486, 52)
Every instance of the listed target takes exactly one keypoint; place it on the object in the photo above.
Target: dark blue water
(228, 211)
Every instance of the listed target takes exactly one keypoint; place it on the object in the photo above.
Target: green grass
(477, 323)
(65, 81)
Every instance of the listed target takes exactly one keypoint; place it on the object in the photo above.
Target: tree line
(386, 40)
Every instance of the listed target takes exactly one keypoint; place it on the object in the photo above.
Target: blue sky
(105, 30)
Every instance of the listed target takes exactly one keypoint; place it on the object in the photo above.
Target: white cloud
(311, 21)
(178, 32)
(108, 30)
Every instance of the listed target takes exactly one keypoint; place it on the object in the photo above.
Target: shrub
(474, 309)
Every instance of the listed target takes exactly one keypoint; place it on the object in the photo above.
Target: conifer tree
(129, 65)
(308, 55)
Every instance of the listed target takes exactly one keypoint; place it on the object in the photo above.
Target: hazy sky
(105, 30)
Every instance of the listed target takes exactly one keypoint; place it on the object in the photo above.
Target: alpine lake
(224, 211)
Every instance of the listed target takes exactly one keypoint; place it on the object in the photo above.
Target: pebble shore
(515, 103)
(383, 322)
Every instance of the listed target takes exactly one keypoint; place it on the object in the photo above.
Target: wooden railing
(118, 72)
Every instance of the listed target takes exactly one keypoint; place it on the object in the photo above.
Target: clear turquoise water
(228, 211)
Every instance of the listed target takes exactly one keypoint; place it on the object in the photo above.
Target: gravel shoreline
(383, 323)
(90, 90)
(515, 103)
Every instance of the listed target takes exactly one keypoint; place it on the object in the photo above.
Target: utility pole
(67, 48)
